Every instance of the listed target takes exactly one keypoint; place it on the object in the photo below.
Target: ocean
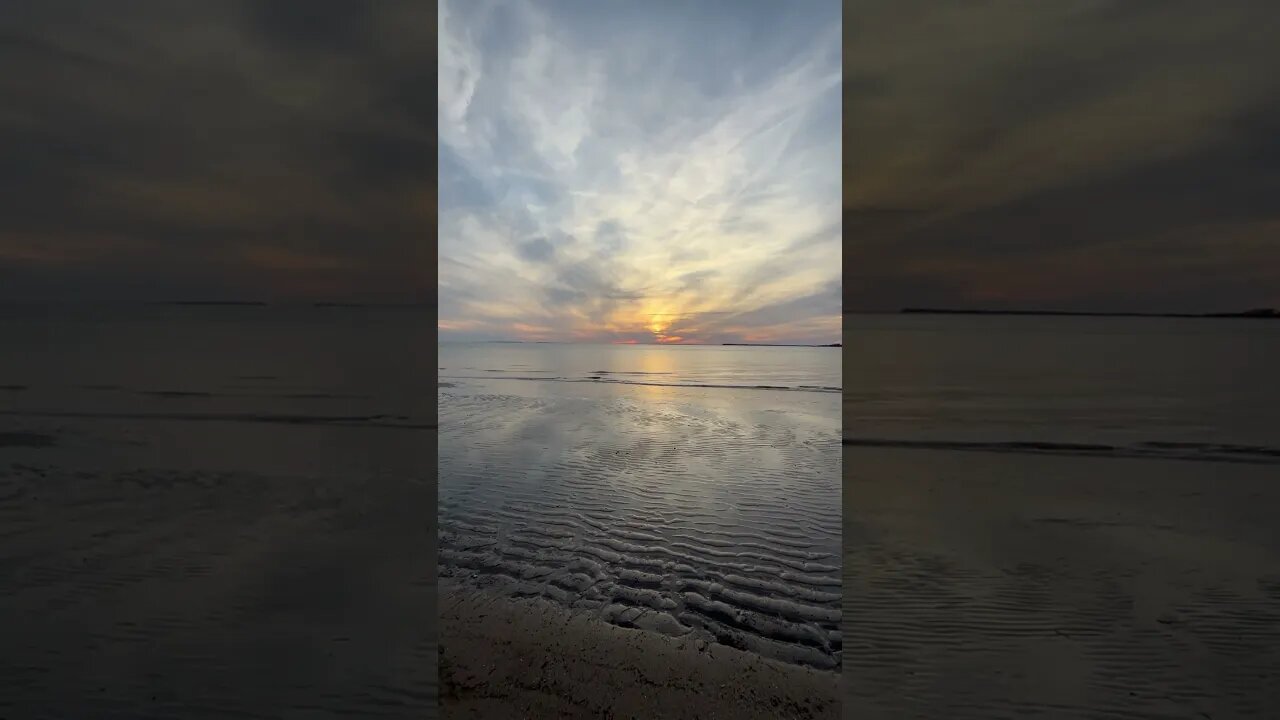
(1169, 387)
(216, 511)
(1060, 517)
(692, 491)
(301, 364)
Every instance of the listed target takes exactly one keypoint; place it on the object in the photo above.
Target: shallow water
(1171, 387)
(1060, 516)
(215, 512)
(802, 369)
(1013, 586)
(295, 364)
(706, 510)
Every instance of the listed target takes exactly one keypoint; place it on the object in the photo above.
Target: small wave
(176, 393)
(383, 421)
(627, 372)
(1153, 449)
(27, 439)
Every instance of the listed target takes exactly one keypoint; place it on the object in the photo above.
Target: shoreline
(507, 658)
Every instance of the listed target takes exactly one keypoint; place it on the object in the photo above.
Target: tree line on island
(1254, 313)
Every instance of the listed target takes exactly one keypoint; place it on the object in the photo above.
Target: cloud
(1010, 153)
(200, 144)
(609, 172)
(536, 250)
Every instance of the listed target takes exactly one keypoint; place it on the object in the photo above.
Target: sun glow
(609, 218)
(660, 323)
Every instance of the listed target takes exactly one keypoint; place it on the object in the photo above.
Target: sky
(211, 149)
(644, 170)
(650, 172)
(1076, 154)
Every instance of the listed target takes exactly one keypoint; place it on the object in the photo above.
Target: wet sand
(502, 658)
(707, 513)
(1002, 585)
(636, 551)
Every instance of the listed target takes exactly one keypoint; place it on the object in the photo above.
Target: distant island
(1255, 313)
(778, 345)
(375, 305)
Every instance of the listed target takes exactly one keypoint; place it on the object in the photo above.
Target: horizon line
(654, 344)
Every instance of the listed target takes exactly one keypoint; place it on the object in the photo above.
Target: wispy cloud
(664, 171)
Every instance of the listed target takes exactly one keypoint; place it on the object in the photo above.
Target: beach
(1010, 584)
(534, 659)
(608, 525)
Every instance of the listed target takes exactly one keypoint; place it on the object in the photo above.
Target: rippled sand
(998, 585)
(706, 515)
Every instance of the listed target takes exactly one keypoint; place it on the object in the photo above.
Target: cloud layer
(216, 149)
(1088, 154)
(639, 172)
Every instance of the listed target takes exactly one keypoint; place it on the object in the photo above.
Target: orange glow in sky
(610, 218)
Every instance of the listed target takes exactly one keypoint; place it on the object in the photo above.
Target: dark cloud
(1086, 155)
(537, 250)
(232, 148)
(610, 238)
(590, 283)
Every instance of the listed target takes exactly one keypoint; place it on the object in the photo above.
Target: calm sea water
(247, 363)
(689, 491)
(216, 512)
(780, 368)
(1184, 387)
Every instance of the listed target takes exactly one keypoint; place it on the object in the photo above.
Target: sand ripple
(666, 518)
